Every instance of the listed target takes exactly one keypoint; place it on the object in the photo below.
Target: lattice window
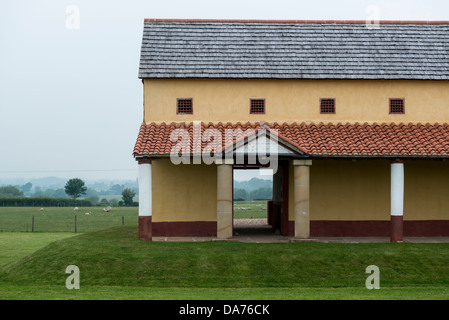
(327, 105)
(184, 106)
(397, 106)
(257, 106)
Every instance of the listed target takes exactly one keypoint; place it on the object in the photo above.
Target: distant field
(250, 209)
(62, 219)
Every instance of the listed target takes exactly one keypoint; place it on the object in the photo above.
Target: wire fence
(65, 219)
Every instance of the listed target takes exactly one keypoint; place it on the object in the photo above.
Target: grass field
(62, 219)
(115, 265)
(250, 209)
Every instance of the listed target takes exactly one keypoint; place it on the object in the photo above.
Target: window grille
(327, 105)
(257, 106)
(184, 106)
(397, 106)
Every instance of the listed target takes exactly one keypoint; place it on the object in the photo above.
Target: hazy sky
(70, 98)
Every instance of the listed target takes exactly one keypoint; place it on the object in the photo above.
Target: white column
(396, 201)
(145, 200)
(397, 189)
(145, 196)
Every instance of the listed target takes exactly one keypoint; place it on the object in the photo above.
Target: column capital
(302, 162)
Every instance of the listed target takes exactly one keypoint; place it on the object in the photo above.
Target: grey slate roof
(215, 49)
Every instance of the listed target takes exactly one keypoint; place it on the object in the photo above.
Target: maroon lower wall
(185, 229)
(145, 228)
(374, 228)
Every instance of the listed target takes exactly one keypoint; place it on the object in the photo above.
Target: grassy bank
(113, 263)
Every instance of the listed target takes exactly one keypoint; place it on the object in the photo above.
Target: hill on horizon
(252, 184)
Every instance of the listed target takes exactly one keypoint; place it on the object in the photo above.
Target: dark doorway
(263, 217)
(278, 206)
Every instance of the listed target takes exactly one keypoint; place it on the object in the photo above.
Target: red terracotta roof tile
(314, 139)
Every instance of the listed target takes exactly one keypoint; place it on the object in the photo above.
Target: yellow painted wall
(296, 100)
(350, 190)
(184, 192)
(426, 190)
(360, 190)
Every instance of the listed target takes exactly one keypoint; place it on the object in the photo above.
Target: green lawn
(250, 209)
(62, 219)
(115, 265)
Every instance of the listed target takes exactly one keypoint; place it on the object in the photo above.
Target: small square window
(327, 105)
(397, 106)
(257, 106)
(184, 106)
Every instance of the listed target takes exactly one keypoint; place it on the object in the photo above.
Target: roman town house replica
(352, 118)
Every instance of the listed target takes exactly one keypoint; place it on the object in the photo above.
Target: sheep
(76, 208)
(41, 209)
(88, 213)
(107, 209)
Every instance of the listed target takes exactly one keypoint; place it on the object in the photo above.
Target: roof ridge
(157, 20)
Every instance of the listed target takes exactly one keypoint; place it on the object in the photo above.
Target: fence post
(123, 220)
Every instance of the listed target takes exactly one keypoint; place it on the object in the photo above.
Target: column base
(396, 229)
(145, 230)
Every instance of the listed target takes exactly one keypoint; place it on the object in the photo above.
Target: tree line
(74, 188)
(263, 193)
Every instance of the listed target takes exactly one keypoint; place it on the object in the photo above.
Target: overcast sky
(70, 98)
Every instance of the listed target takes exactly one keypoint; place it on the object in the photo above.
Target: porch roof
(371, 140)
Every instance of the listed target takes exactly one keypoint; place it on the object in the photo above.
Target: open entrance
(260, 201)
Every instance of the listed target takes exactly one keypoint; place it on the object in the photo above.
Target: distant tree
(26, 187)
(93, 198)
(264, 193)
(38, 192)
(240, 194)
(59, 193)
(92, 195)
(10, 191)
(116, 189)
(127, 196)
(75, 188)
